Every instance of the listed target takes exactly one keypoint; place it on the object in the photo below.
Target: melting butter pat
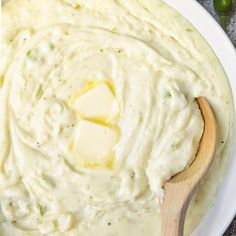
(93, 144)
(97, 103)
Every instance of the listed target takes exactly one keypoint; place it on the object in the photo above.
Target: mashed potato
(98, 111)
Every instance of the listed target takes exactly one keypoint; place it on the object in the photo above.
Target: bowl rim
(221, 214)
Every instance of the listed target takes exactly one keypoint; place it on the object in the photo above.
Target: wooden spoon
(180, 188)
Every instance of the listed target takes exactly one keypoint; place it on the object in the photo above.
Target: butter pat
(97, 103)
(92, 143)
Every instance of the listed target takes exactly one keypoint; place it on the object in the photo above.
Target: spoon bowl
(181, 187)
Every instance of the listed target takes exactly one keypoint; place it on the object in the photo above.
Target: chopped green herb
(173, 38)
(168, 94)
(1, 81)
(42, 209)
(51, 46)
(176, 145)
(113, 29)
(132, 175)
(77, 7)
(39, 92)
(32, 54)
(101, 50)
(189, 30)
(48, 179)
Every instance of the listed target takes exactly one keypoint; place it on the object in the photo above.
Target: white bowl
(221, 214)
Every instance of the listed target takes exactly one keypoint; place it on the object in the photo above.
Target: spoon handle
(173, 212)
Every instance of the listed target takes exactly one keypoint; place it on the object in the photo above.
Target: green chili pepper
(223, 9)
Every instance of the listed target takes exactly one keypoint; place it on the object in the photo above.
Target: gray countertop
(231, 31)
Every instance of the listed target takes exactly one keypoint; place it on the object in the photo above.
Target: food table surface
(231, 31)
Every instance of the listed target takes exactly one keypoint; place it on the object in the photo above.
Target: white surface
(224, 209)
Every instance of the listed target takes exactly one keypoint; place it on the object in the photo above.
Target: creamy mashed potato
(98, 111)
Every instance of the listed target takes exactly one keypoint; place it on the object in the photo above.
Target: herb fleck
(189, 30)
(49, 180)
(168, 94)
(1, 81)
(51, 46)
(132, 175)
(39, 92)
(32, 54)
(173, 38)
(176, 145)
(42, 210)
(77, 7)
